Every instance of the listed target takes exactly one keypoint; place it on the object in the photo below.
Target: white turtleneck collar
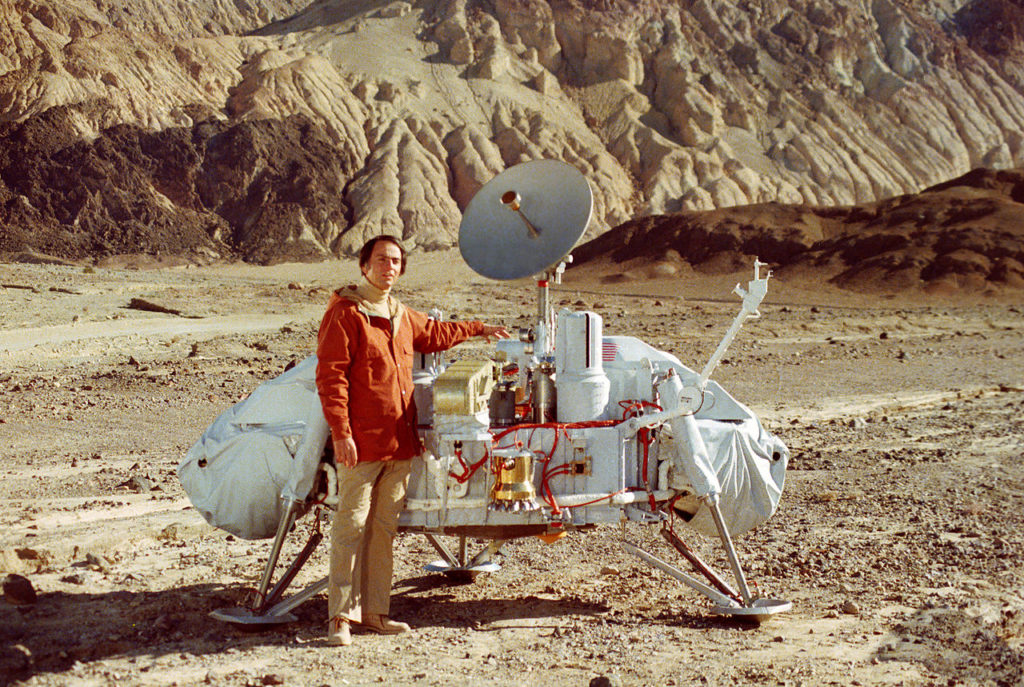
(375, 298)
(375, 301)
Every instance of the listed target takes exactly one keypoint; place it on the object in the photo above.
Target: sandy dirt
(899, 539)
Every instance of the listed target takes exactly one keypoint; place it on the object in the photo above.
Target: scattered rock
(19, 590)
(21, 659)
(169, 533)
(609, 570)
(97, 562)
(23, 559)
(139, 484)
(150, 306)
(26, 287)
(850, 607)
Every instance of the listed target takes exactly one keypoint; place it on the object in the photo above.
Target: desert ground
(899, 539)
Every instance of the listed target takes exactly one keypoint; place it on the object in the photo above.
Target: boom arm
(687, 399)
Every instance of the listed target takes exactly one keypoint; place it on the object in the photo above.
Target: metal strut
(460, 565)
(727, 601)
(269, 609)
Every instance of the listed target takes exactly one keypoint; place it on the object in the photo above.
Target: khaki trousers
(370, 498)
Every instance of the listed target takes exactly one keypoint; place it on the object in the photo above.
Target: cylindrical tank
(503, 405)
(580, 380)
(544, 393)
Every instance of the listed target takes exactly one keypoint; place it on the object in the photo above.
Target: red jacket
(364, 374)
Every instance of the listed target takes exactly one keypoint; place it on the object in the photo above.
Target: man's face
(384, 265)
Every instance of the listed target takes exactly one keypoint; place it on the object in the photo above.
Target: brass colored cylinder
(513, 484)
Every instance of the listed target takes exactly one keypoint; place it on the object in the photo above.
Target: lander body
(562, 428)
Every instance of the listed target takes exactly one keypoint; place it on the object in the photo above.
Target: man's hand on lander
(345, 452)
(495, 332)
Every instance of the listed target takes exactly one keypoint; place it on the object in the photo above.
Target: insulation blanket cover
(750, 464)
(258, 455)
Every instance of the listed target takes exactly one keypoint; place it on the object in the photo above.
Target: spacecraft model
(560, 429)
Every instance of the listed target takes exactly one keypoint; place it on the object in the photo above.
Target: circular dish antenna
(525, 220)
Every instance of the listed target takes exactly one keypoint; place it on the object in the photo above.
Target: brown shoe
(338, 632)
(381, 624)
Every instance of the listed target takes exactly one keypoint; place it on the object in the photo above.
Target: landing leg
(753, 609)
(457, 567)
(727, 601)
(269, 609)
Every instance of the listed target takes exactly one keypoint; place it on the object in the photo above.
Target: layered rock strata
(375, 116)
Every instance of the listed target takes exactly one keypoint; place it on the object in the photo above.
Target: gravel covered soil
(899, 539)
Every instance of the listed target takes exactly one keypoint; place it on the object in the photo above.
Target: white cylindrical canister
(580, 381)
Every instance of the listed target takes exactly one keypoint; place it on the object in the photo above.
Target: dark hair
(367, 250)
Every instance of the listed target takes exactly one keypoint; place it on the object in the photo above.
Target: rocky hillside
(963, 236)
(276, 130)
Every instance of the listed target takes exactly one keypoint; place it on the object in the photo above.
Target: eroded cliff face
(284, 129)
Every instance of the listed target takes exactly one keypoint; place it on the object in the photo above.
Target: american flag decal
(608, 351)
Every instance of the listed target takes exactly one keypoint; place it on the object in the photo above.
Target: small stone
(169, 533)
(24, 655)
(272, 679)
(140, 484)
(850, 608)
(295, 286)
(606, 681)
(19, 590)
(97, 562)
(609, 570)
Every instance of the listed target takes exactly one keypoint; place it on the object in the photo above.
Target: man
(364, 377)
